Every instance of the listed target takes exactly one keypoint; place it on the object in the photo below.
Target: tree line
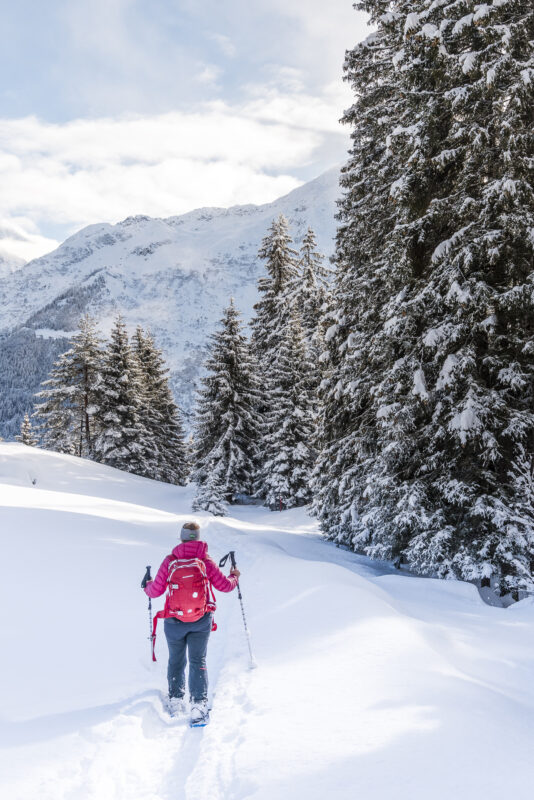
(257, 411)
(428, 396)
(400, 402)
(112, 402)
(256, 415)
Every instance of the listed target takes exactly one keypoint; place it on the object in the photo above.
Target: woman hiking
(189, 575)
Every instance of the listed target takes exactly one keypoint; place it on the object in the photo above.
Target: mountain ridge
(173, 276)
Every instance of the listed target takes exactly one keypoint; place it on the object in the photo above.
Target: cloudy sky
(118, 107)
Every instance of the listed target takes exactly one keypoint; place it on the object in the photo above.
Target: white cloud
(226, 46)
(84, 171)
(20, 240)
(319, 113)
(209, 74)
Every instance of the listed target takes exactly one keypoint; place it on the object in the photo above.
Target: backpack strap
(163, 613)
(212, 606)
(159, 615)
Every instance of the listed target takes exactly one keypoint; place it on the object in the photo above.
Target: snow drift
(371, 684)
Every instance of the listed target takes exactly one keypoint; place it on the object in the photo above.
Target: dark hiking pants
(188, 639)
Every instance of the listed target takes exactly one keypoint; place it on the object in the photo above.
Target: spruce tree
(68, 411)
(348, 424)
(123, 441)
(311, 289)
(312, 301)
(289, 427)
(428, 406)
(227, 427)
(277, 291)
(477, 344)
(159, 413)
(211, 495)
(26, 435)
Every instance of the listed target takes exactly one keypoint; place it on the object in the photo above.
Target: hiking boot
(177, 706)
(199, 714)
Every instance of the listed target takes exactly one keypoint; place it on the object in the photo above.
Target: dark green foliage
(123, 440)
(277, 290)
(71, 396)
(227, 430)
(159, 413)
(428, 413)
(289, 425)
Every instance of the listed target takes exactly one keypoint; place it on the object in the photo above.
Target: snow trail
(370, 683)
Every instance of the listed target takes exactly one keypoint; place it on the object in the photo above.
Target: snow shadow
(38, 729)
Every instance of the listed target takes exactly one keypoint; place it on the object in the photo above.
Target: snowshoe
(200, 715)
(174, 706)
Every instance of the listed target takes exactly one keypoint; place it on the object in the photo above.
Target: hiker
(188, 575)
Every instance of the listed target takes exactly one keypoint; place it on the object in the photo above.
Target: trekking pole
(144, 582)
(222, 562)
(150, 621)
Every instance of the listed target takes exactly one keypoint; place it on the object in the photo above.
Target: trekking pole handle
(146, 578)
(224, 559)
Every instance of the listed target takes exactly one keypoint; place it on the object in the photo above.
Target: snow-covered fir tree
(123, 441)
(277, 290)
(210, 495)
(289, 426)
(312, 302)
(428, 406)
(227, 428)
(159, 413)
(348, 424)
(26, 435)
(311, 289)
(70, 397)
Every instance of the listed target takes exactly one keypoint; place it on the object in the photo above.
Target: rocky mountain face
(173, 276)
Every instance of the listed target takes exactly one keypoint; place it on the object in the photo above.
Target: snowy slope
(173, 275)
(9, 263)
(370, 684)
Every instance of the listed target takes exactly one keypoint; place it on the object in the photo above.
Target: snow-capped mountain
(173, 276)
(9, 263)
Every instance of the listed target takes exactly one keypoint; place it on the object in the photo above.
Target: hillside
(173, 276)
(9, 263)
(370, 684)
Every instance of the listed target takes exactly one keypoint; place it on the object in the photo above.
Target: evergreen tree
(289, 429)
(227, 423)
(123, 441)
(312, 296)
(70, 397)
(278, 293)
(277, 289)
(211, 495)
(26, 435)
(348, 424)
(159, 413)
(311, 289)
(428, 405)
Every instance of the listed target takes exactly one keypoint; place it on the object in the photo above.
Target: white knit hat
(190, 534)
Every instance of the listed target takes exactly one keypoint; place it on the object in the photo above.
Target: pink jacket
(197, 549)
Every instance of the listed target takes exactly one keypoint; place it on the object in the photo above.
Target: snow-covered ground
(370, 684)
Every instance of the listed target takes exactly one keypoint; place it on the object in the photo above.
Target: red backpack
(189, 594)
(188, 590)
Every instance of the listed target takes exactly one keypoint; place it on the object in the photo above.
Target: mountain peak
(173, 276)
